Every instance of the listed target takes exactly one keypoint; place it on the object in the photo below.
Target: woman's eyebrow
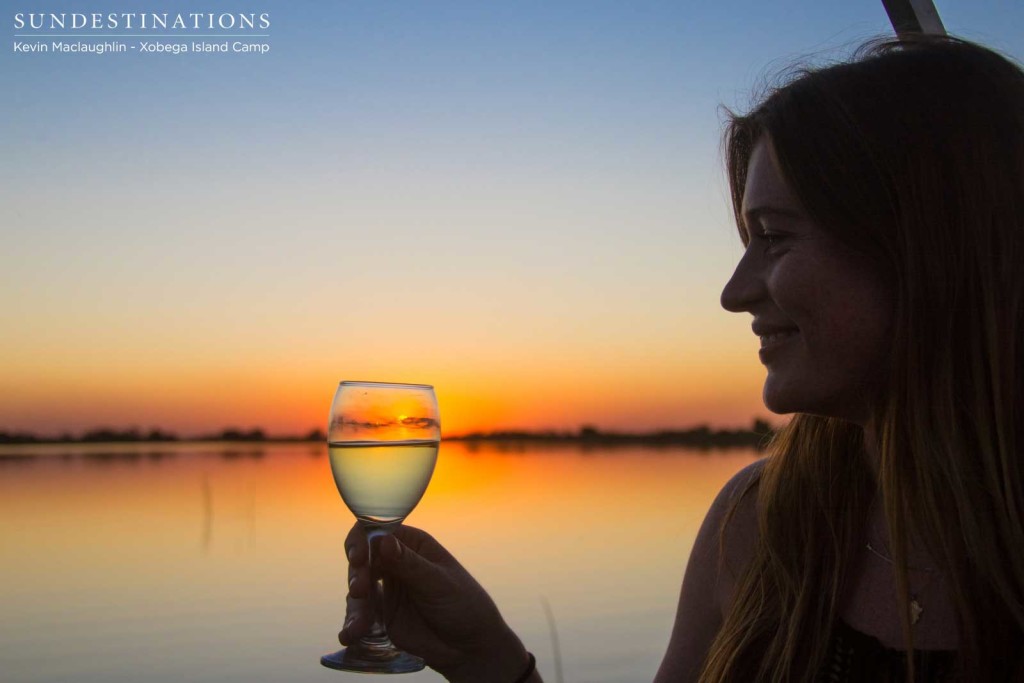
(756, 212)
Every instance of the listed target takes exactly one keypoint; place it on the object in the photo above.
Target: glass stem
(376, 644)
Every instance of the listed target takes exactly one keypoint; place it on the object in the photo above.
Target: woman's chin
(777, 399)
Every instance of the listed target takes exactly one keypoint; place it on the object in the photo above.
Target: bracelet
(530, 668)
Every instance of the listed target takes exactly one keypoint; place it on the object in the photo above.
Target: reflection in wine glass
(383, 441)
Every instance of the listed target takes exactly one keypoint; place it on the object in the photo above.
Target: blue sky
(529, 182)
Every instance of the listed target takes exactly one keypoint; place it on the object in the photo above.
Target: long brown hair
(913, 153)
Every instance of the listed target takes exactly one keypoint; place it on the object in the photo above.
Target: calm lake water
(208, 562)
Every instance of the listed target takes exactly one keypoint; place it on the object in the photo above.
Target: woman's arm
(706, 593)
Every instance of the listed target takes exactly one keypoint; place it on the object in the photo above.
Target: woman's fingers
(358, 568)
(355, 546)
(357, 617)
(417, 559)
(424, 544)
(420, 576)
(357, 621)
(358, 581)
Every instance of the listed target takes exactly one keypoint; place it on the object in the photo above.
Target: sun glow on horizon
(284, 403)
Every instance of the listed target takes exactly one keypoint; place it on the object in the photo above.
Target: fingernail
(351, 581)
(348, 622)
(395, 553)
(351, 553)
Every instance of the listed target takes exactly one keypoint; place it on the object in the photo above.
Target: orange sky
(623, 390)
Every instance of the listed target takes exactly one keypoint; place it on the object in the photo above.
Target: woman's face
(822, 311)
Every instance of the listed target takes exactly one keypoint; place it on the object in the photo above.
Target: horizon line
(256, 434)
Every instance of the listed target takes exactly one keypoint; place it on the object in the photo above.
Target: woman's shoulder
(740, 534)
(739, 482)
(700, 611)
(739, 492)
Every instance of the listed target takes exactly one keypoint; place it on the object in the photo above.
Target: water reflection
(207, 532)
(127, 457)
(183, 559)
(236, 454)
(130, 454)
(133, 454)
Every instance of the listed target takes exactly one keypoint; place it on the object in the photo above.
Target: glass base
(349, 659)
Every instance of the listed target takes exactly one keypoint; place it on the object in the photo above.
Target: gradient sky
(521, 203)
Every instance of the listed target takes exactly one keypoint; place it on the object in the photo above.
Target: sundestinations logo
(140, 21)
(164, 33)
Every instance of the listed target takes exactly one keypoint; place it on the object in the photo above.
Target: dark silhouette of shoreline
(701, 436)
(134, 435)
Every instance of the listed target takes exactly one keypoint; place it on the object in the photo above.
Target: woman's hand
(433, 608)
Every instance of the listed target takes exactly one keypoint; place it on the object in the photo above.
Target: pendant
(915, 611)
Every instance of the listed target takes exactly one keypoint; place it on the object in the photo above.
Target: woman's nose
(745, 287)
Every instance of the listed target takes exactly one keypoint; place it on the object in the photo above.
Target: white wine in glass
(382, 482)
(383, 440)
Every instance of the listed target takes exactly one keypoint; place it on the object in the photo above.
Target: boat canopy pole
(914, 16)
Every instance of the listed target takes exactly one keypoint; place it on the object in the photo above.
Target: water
(209, 562)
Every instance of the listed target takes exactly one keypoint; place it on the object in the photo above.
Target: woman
(881, 203)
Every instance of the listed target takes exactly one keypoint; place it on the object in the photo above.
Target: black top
(854, 656)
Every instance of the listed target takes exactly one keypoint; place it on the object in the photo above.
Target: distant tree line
(154, 435)
(701, 436)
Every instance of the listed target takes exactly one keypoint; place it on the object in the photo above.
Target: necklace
(916, 610)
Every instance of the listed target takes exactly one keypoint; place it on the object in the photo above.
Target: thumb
(419, 575)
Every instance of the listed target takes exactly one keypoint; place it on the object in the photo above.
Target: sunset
(524, 206)
(402, 327)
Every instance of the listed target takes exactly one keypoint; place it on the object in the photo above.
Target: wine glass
(383, 440)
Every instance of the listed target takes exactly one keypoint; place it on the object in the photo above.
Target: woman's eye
(771, 238)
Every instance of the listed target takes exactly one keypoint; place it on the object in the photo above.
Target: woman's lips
(774, 342)
(776, 338)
